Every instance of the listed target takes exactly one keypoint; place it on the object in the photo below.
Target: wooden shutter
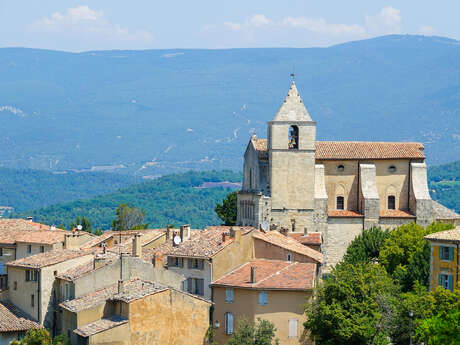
(450, 282)
(451, 253)
(201, 264)
(200, 287)
(293, 328)
(440, 280)
(229, 323)
(189, 285)
(170, 261)
(190, 263)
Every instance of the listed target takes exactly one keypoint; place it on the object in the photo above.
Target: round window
(392, 169)
(340, 168)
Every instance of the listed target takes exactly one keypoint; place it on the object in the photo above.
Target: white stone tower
(291, 149)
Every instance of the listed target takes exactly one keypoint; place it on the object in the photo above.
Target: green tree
(227, 210)
(84, 222)
(61, 339)
(366, 247)
(405, 254)
(260, 333)
(128, 218)
(354, 306)
(98, 232)
(35, 337)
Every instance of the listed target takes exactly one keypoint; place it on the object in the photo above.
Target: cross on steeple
(292, 76)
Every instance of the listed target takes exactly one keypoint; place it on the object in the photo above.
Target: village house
(136, 312)
(444, 260)
(14, 323)
(32, 285)
(273, 290)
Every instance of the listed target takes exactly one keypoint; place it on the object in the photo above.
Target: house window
(289, 257)
(446, 253)
(1, 251)
(263, 298)
(446, 281)
(196, 264)
(340, 203)
(391, 169)
(293, 138)
(2, 268)
(15, 286)
(42, 249)
(27, 275)
(293, 328)
(391, 202)
(175, 262)
(340, 168)
(31, 275)
(228, 295)
(29, 248)
(195, 286)
(32, 300)
(228, 323)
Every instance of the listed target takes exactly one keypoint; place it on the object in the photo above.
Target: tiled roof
(90, 300)
(81, 270)
(343, 213)
(395, 214)
(20, 230)
(328, 150)
(101, 325)
(147, 236)
(443, 213)
(97, 240)
(203, 244)
(271, 274)
(48, 258)
(448, 235)
(312, 238)
(12, 319)
(277, 239)
(136, 289)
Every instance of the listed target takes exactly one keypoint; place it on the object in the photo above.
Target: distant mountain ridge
(156, 112)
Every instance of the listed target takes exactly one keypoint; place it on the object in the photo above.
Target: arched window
(293, 137)
(391, 202)
(340, 203)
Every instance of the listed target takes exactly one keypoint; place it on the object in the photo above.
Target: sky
(150, 24)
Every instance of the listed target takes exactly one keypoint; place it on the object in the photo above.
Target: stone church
(294, 183)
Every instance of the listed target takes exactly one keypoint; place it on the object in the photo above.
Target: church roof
(292, 108)
(328, 150)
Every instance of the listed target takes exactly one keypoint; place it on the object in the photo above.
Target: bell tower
(291, 149)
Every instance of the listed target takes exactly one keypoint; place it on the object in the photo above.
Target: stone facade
(296, 183)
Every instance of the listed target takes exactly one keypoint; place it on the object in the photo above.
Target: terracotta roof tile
(448, 236)
(101, 325)
(443, 213)
(312, 238)
(136, 289)
(336, 150)
(48, 258)
(12, 319)
(98, 240)
(203, 244)
(90, 300)
(20, 230)
(271, 274)
(82, 270)
(344, 213)
(277, 239)
(395, 214)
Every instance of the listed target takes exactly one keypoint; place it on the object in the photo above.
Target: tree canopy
(128, 218)
(248, 333)
(227, 209)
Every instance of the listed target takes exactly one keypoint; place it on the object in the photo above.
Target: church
(296, 184)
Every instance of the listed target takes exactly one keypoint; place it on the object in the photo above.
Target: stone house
(444, 260)
(137, 312)
(272, 290)
(14, 323)
(294, 182)
(32, 285)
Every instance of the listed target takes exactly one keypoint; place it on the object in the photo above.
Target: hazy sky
(145, 24)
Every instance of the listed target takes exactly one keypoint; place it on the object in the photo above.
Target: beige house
(32, 285)
(272, 290)
(14, 323)
(137, 312)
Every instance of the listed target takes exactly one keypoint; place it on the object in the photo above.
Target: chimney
(284, 231)
(235, 233)
(72, 241)
(168, 233)
(157, 261)
(181, 234)
(305, 231)
(253, 274)
(99, 261)
(185, 232)
(30, 219)
(104, 247)
(137, 245)
(121, 286)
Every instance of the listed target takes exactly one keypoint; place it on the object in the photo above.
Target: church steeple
(292, 108)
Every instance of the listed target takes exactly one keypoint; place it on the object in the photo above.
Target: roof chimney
(30, 219)
(137, 245)
(99, 261)
(168, 233)
(121, 286)
(185, 232)
(253, 274)
(235, 233)
(72, 241)
(157, 261)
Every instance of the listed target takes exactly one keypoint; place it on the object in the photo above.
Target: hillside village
(302, 204)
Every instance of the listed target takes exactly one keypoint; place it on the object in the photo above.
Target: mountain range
(156, 112)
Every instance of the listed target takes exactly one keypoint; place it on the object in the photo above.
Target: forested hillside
(172, 199)
(31, 189)
(444, 184)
